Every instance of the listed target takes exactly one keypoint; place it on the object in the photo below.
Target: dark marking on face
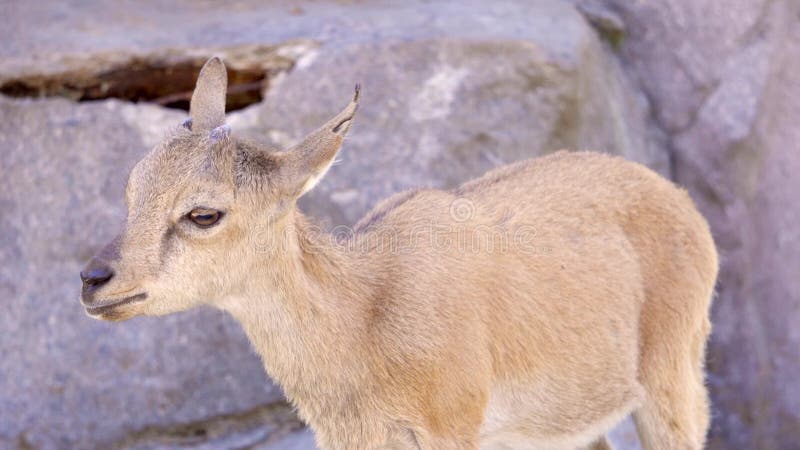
(167, 241)
(111, 252)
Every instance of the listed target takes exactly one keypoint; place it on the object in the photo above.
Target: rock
(303, 440)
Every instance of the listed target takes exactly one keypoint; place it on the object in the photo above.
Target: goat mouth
(103, 308)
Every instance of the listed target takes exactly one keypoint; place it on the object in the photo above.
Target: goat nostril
(96, 276)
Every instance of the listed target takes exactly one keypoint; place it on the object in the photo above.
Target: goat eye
(203, 217)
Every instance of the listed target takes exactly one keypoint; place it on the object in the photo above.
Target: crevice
(164, 77)
(263, 424)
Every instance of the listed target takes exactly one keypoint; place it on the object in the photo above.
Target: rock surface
(699, 92)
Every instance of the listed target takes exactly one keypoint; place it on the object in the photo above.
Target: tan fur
(534, 307)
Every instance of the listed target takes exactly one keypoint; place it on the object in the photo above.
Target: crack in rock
(263, 424)
(165, 77)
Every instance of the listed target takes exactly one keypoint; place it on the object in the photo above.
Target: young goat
(532, 308)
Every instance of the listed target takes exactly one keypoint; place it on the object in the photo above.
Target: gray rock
(303, 440)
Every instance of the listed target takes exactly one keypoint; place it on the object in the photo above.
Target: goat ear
(308, 161)
(207, 108)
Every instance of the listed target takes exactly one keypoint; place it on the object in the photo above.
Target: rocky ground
(705, 92)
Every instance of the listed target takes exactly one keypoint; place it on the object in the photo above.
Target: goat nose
(96, 276)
